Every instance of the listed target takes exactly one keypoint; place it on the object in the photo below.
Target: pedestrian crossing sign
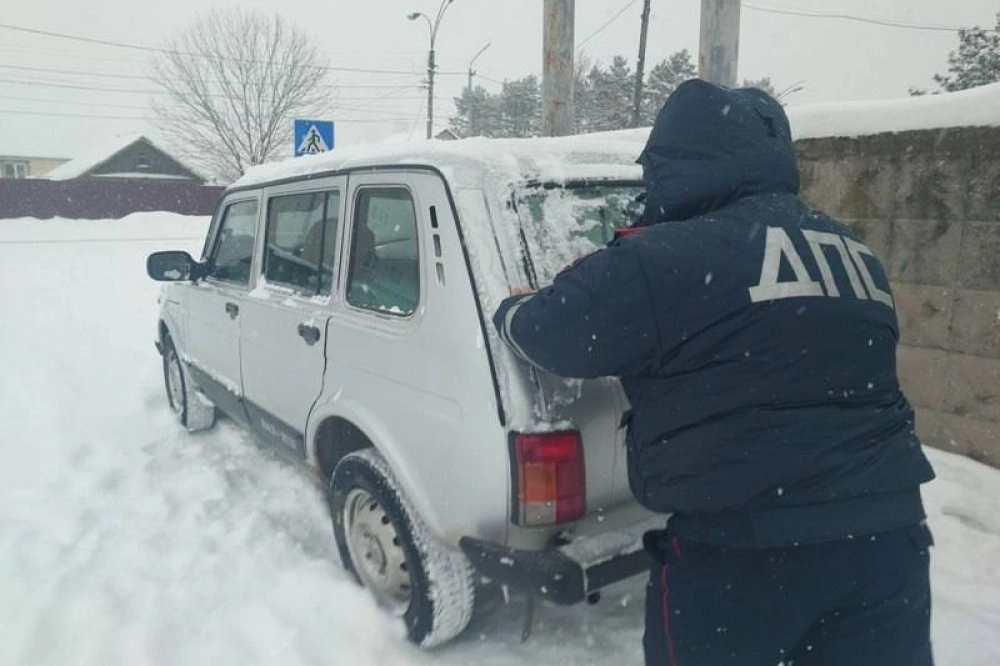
(313, 136)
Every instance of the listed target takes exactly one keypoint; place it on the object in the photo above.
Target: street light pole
(433, 25)
(474, 108)
(472, 72)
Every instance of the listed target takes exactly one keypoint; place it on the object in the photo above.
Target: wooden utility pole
(641, 65)
(557, 67)
(719, 51)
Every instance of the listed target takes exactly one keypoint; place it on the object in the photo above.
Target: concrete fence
(928, 204)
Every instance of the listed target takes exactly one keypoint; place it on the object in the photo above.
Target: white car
(341, 309)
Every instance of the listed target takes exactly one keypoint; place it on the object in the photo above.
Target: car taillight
(551, 484)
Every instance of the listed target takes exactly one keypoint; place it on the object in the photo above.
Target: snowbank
(126, 541)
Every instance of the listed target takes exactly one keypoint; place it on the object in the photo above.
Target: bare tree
(234, 80)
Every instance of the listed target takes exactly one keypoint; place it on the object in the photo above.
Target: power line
(115, 75)
(73, 103)
(79, 53)
(142, 91)
(849, 17)
(153, 49)
(71, 115)
(145, 119)
(72, 86)
(606, 25)
(74, 71)
(490, 79)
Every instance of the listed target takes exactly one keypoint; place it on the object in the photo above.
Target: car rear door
(212, 349)
(284, 320)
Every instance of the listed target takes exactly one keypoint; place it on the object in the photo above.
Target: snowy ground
(124, 540)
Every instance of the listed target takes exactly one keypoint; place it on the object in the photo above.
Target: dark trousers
(860, 602)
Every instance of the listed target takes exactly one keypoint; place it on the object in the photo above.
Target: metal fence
(103, 198)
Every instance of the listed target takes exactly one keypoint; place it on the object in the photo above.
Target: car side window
(234, 245)
(384, 266)
(299, 241)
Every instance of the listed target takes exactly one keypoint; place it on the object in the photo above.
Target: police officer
(756, 341)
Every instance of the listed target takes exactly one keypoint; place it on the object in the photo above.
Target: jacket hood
(712, 145)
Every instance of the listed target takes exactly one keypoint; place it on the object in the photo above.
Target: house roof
(102, 153)
(93, 158)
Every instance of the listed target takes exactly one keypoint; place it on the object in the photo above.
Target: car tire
(389, 550)
(193, 411)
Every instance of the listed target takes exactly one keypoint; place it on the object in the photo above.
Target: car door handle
(233, 310)
(309, 333)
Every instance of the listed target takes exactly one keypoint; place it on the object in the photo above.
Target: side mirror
(173, 266)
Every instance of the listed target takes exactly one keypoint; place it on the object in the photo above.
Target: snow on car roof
(467, 162)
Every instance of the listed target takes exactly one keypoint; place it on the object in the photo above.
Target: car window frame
(336, 182)
(212, 246)
(348, 249)
(287, 288)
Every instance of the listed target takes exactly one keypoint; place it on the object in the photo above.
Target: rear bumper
(567, 574)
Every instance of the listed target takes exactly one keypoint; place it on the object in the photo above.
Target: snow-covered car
(341, 310)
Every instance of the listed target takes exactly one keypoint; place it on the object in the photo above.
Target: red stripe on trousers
(666, 616)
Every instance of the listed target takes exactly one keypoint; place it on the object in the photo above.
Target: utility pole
(641, 65)
(557, 67)
(430, 91)
(719, 51)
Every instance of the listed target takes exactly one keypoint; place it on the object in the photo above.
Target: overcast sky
(832, 59)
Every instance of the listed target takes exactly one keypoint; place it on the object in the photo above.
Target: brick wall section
(95, 199)
(928, 204)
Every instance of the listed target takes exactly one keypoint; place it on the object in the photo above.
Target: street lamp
(433, 25)
(790, 90)
(472, 72)
(473, 101)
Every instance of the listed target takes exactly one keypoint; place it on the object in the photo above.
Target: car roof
(469, 162)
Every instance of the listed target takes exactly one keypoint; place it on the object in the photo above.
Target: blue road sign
(313, 136)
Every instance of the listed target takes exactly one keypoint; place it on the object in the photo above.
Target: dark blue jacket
(755, 339)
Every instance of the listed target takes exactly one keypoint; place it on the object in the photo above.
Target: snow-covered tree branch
(233, 81)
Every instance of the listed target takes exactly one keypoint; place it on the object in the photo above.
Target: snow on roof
(467, 161)
(93, 158)
(977, 107)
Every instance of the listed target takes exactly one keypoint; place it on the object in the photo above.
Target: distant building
(132, 157)
(25, 166)
(447, 135)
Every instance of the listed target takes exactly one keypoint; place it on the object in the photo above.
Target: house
(26, 166)
(123, 176)
(129, 158)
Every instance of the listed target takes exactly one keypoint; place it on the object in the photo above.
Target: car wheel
(192, 410)
(384, 543)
